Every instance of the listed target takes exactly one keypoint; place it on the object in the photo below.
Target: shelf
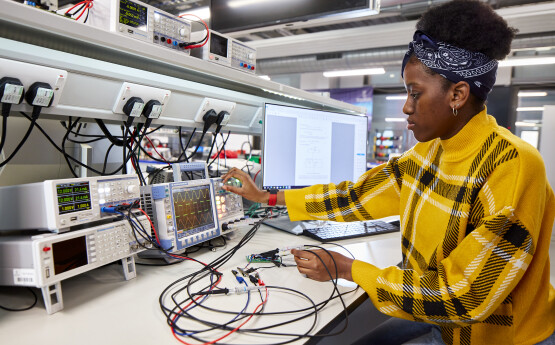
(99, 61)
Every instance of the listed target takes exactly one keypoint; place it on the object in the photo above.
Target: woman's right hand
(248, 189)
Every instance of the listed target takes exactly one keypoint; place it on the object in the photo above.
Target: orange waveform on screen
(193, 208)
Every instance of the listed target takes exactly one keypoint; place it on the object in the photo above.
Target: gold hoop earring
(455, 110)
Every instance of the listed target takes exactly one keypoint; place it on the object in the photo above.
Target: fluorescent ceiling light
(265, 77)
(394, 98)
(353, 72)
(527, 61)
(395, 119)
(201, 12)
(532, 94)
(529, 109)
(526, 124)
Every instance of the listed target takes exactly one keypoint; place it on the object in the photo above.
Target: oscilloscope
(183, 213)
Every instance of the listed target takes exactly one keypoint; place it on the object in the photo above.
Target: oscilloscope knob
(131, 189)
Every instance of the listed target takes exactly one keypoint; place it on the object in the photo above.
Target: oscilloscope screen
(193, 210)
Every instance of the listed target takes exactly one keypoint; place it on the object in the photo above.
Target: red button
(169, 41)
(252, 68)
(46, 249)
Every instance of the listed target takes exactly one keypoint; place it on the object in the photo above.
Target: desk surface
(100, 307)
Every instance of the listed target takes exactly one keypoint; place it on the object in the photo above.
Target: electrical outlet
(146, 93)
(30, 73)
(217, 105)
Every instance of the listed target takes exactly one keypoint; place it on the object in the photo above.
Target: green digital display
(82, 197)
(64, 190)
(65, 199)
(73, 197)
(132, 14)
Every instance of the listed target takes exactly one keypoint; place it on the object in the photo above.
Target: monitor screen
(234, 15)
(303, 147)
(218, 45)
(192, 208)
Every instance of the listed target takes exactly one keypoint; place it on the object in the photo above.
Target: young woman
(475, 206)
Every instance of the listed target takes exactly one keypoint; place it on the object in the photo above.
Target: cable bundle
(184, 303)
(198, 44)
(131, 141)
(82, 7)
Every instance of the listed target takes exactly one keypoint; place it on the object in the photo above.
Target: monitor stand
(283, 223)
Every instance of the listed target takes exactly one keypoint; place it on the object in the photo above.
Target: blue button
(174, 43)
(241, 64)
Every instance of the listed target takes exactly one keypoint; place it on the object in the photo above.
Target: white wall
(314, 81)
(547, 146)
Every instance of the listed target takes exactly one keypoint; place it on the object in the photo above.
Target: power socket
(144, 92)
(217, 105)
(30, 73)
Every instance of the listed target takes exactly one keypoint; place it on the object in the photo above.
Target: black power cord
(223, 117)
(11, 92)
(62, 151)
(35, 300)
(209, 118)
(132, 108)
(151, 111)
(39, 95)
(221, 149)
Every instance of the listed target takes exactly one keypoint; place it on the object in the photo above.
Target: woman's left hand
(309, 264)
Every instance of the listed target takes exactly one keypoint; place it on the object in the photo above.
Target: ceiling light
(529, 109)
(354, 72)
(396, 98)
(526, 124)
(395, 119)
(532, 94)
(527, 61)
(265, 77)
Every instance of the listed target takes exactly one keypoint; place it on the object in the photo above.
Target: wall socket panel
(30, 73)
(217, 105)
(146, 93)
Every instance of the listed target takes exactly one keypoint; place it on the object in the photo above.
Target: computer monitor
(303, 147)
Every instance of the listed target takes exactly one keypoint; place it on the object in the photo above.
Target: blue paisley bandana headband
(453, 63)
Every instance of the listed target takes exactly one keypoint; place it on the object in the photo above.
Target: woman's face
(428, 104)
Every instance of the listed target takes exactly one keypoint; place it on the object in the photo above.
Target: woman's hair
(471, 25)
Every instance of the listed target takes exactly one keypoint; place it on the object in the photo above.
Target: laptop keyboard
(341, 231)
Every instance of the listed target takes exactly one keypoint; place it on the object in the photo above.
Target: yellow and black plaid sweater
(476, 217)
